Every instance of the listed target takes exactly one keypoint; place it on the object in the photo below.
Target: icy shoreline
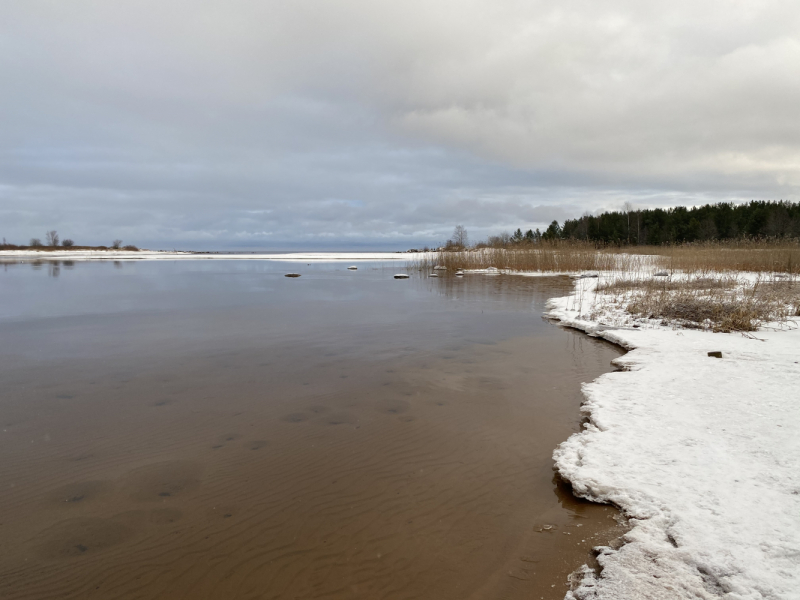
(702, 454)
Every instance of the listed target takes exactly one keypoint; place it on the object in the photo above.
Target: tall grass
(566, 256)
(555, 257)
(736, 256)
(699, 285)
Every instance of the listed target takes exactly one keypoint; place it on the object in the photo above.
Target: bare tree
(499, 241)
(68, 243)
(779, 223)
(52, 238)
(117, 244)
(460, 237)
(638, 240)
(35, 243)
(628, 207)
(708, 230)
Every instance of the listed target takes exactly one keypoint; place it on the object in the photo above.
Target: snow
(702, 454)
(177, 255)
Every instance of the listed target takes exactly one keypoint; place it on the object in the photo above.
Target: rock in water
(401, 276)
(661, 274)
(716, 354)
(292, 275)
(433, 275)
(352, 268)
(439, 268)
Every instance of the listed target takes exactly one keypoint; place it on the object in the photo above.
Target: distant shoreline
(94, 253)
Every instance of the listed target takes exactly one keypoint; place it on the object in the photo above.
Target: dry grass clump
(703, 312)
(722, 304)
(665, 284)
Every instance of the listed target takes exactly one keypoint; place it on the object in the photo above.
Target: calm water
(204, 429)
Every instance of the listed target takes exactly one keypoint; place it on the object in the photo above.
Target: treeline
(52, 240)
(766, 220)
(723, 221)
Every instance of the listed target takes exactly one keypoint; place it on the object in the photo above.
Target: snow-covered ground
(177, 255)
(701, 453)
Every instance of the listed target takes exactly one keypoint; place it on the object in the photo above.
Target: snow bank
(703, 455)
(176, 255)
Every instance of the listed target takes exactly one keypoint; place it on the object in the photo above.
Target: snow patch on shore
(702, 454)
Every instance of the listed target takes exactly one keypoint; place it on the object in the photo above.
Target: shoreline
(83, 255)
(701, 454)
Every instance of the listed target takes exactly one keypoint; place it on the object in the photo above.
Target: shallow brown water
(251, 449)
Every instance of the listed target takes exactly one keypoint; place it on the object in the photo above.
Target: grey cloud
(267, 123)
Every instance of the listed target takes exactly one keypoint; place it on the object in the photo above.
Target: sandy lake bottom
(204, 431)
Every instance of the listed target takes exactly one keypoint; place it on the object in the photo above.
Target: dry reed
(702, 287)
(556, 257)
(777, 256)
(753, 256)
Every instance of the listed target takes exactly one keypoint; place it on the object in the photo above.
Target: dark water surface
(212, 429)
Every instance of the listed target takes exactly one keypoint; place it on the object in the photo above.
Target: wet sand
(339, 466)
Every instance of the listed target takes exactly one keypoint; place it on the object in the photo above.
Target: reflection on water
(216, 430)
(53, 266)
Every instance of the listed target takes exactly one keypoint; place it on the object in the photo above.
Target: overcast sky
(351, 123)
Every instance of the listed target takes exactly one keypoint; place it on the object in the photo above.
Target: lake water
(213, 429)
